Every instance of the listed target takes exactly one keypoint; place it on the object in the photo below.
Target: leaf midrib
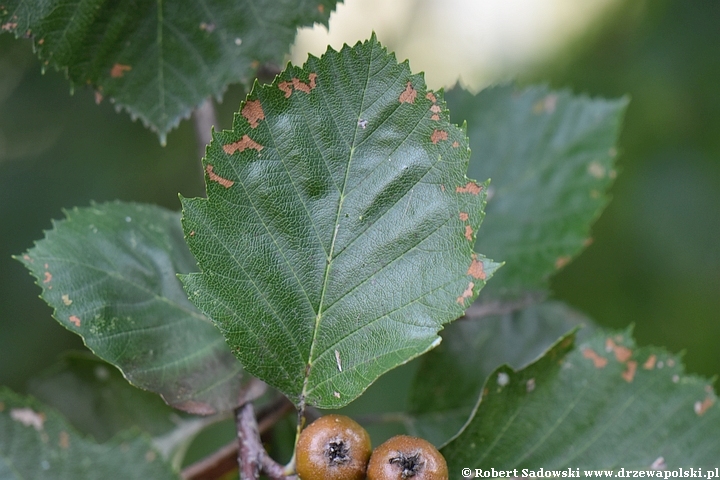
(329, 260)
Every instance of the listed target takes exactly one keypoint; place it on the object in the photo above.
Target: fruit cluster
(335, 447)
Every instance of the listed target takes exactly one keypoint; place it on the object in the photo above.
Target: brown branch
(225, 459)
(249, 449)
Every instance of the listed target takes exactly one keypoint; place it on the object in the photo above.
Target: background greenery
(655, 261)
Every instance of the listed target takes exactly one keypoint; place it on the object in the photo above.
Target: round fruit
(403, 458)
(333, 447)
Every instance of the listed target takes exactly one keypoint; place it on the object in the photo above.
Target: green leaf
(450, 378)
(158, 60)
(36, 442)
(550, 157)
(606, 404)
(109, 271)
(97, 400)
(336, 239)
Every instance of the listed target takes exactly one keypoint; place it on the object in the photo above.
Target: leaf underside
(604, 404)
(155, 59)
(37, 443)
(337, 235)
(551, 157)
(109, 271)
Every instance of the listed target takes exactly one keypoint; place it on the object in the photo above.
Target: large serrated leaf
(37, 443)
(337, 235)
(605, 404)
(550, 156)
(109, 271)
(156, 59)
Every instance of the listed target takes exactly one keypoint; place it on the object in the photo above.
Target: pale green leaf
(109, 271)
(336, 239)
(155, 59)
(550, 156)
(605, 404)
(37, 443)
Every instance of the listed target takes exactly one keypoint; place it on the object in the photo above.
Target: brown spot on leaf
(438, 135)
(455, 144)
(467, 293)
(336, 394)
(298, 85)
(9, 26)
(118, 70)
(27, 258)
(442, 187)
(435, 117)
(702, 407)
(98, 97)
(41, 41)
(561, 262)
(476, 269)
(622, 354)
(408, 95)
(650, 362)
(217, 178)
(435, 109)
(321, 8)
(64, 440)
(243, 144)
(598, 360)
(66, 300)
(74, 320)
(470, 187)
(588, 241)
(464, 216)
(192, 233)
(48, 277)
(286, 87)
(28, 417)
(253, 112)
(630, 370)
(468, 232)
(431, 97)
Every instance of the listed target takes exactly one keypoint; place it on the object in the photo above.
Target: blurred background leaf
(550, 157)
(160, 60)
(37, 442)
(603, 404)
(655, 260)
(97, 400)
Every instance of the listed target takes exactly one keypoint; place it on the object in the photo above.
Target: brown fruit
(333, 447)
(407, 458)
